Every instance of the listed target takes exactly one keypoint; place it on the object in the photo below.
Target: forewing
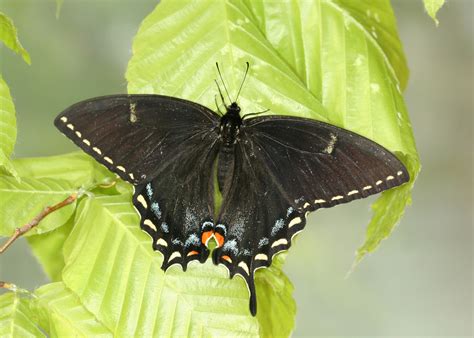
(133, 135)
(166, 147)
(286, 167)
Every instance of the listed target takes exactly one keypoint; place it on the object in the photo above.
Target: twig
(35, 221)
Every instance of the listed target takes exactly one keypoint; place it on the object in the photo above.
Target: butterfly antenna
(220, 92)
(223, 83)
(245, 76)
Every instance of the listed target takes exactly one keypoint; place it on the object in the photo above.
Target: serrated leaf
(79, 169)
(7, 128)
(432, 7)
(9, 36)
(62, 314)
(356, 67)
(17, 319)
(111, 267)
(21, 201)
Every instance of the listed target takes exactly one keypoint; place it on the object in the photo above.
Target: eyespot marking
(97, 150)
(379, 182)
(150, 224)
(161, 242)
(319, 201)
(367, 187)
(64, 119)
(174, 255)
(281, 241)
(294, 221)
(70, 126)
(261, 257)
(390, 178)
(78, 134)
(338, 197)
(142, 201)
(244, 266)
(352, 192)
(86, 141)
(119, 167)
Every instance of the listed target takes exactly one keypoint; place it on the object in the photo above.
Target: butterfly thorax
(229, 135)
(230, 125)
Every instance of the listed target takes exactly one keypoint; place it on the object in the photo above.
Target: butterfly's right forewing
(166, 147)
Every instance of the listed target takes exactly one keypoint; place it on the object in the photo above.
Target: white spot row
(95, 149)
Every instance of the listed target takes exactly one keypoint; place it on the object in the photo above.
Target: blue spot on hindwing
(149, 191)
(164, 227)
(263, 242)
(289, 211)
(193, 239)
(231, 246)
(156, 209)
(278, 226)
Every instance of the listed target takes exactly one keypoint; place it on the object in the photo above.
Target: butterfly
(271, 171)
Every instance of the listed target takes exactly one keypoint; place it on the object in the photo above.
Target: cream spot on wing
(399, 173)
(174, 255)
(133, 112)
(142, 201)
(70, 126)
(119, 167)
(64, 119)
(367, 187)
(261, 257)
(330, 147)
(150, 224)
(338, 197)
(379, 182)
(390, 178)
(161, 242)
(86, 141)
(97, 150)
(294, 221)
(306, 205)
(244, 266)
(78, 134)
(108, 159)
(280, 242)
(131, 176)
(352, 192)
(319, 201)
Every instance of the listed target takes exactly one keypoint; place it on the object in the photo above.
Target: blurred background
(418, 283)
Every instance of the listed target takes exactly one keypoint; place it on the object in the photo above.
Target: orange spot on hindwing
(227, 258)
(205, 236)
(219, 238)
(192, 253)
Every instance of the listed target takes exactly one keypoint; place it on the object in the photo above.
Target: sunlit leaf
(9, 36)
(432, 7)
(111, 267)
(17, 319)
(61, 314)
(7, 128)
(21, 201)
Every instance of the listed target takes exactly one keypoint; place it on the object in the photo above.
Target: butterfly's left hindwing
(166, 147)
(285, 168)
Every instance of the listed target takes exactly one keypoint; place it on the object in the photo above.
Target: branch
(35, 221)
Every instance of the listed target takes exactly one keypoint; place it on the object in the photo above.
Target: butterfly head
(233, 109)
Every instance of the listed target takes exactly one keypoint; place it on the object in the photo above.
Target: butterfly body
(271, 170)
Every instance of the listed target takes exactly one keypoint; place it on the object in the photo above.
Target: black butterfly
(271, 170)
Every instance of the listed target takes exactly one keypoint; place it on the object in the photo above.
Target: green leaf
(9, 36)
(7, 128)
(62, 314)
(111, 267)
(21, 201)
(79, 169)
(432, 7)
(17, 319)
(48, 249)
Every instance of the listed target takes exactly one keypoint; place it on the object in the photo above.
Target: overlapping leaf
(9, 36)
(61, 314)
(432, 7)
(21, 201)
(111, 267)
(7, 128)
(17, 319)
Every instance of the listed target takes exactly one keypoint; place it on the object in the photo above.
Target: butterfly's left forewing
(285, 168)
